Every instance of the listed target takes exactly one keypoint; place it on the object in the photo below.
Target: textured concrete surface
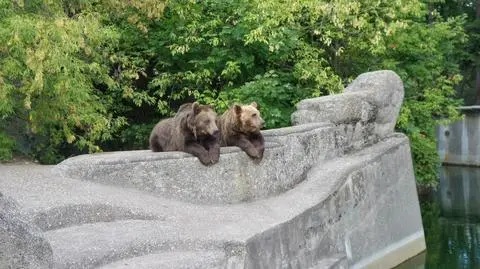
(457, 143)
(21, 245)
(287, 157)
(328, 195)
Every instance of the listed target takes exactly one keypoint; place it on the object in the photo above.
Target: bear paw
(257, 160)
(254, 153)
(205, 160)
(214, 158)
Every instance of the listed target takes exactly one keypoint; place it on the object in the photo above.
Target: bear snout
(216, 132)
(262, 123)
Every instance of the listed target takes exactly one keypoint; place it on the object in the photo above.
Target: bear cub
(240, 126)
(193, 129)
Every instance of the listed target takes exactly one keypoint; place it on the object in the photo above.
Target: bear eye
(206, 122)
(254, 115)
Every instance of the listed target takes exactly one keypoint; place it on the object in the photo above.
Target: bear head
(202, 120)
(249, 119)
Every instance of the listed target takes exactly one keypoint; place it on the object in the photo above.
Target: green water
(451, 220)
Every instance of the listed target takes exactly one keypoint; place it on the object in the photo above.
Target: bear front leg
(259, 143)
(200, 152)
(214, 152)
(248, 148)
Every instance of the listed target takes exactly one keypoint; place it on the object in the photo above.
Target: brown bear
(240, 126)
(193, 130)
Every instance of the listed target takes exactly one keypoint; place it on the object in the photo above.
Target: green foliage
(49, 66)
(275, 99)
(133, 137)
(7, 146)
(468, 57)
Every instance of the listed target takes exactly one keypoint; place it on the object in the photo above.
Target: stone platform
(336, 190)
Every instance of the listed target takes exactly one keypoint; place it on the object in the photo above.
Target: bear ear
(255, 105)
(210, 106)
(238, 109)
(195, 108)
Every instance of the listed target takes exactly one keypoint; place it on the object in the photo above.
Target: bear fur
(240, 126)
(193, 130)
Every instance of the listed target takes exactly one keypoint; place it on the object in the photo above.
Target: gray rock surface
(20, 243)
(371, 103)
(325, 196)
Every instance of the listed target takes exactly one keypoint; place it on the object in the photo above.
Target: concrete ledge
(236, 178)
(461, 163)
(470, 108)
(290, 153)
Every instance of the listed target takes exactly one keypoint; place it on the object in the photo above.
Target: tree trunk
(430, 12)
(478, 9)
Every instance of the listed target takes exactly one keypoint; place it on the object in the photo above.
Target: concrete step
(67, 215)
(96, 244)
(173, 260)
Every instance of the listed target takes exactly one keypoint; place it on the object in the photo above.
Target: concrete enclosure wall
(335, 190)
(459, 142)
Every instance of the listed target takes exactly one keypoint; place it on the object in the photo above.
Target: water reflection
(460, 192)
(453, 230)
(451, 221)
(453, 243)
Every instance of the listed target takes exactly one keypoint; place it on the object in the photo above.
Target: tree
(53, 68)
(469, 59)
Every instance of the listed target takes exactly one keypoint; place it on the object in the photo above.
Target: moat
(451, 219)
